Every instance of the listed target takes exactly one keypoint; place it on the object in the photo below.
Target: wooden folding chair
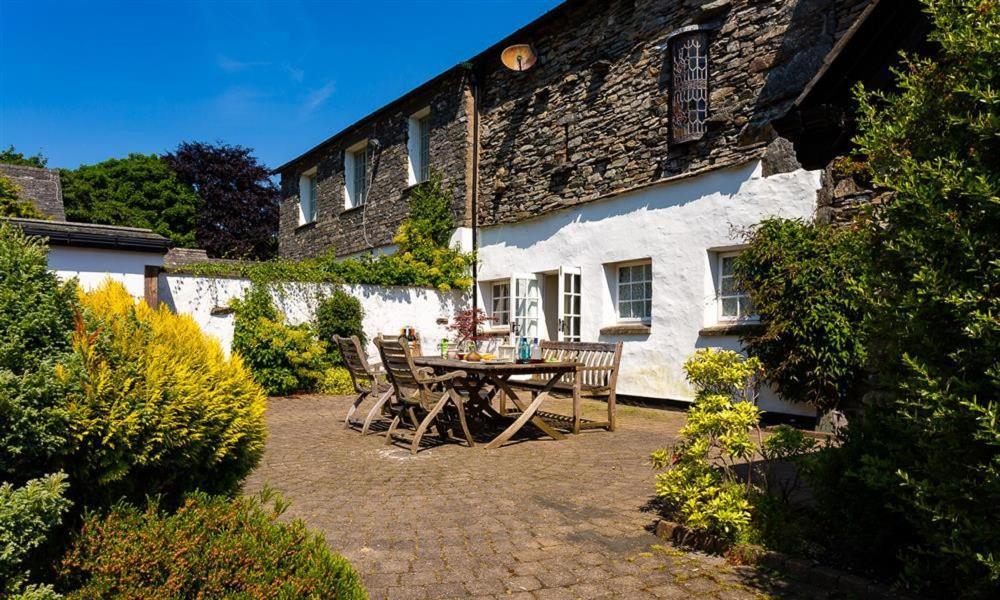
(366, 381)
(419, 397)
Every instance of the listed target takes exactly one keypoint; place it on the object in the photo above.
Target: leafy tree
(11, 203)
(808, 284)
(11, 156)
(927, 457)
(138, 191)
(238, 217)
(339, 314)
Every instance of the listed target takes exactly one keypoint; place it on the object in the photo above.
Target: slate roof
(90, 235)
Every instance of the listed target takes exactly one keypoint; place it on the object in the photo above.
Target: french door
(526, 306)
(570, 301)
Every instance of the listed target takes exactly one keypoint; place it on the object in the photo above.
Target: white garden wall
(387, 309)
(680, 226)
(91, 266)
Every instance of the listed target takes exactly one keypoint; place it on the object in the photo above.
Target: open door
(570, 302)
(524, 288)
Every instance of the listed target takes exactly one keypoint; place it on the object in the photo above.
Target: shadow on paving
(535, 519)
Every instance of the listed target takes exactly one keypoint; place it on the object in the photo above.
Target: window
(307, 197)
(418, 147)
(734, 303)
(356, 174)
(635, 292)
(689, 102)
(501, 304)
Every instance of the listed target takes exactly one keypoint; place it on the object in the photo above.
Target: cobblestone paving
(538, 519)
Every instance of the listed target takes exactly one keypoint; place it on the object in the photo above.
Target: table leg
(527, 413)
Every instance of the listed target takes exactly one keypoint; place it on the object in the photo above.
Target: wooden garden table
(487, 379)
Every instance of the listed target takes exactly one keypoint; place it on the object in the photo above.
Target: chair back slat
(405, 377)
(356, 362)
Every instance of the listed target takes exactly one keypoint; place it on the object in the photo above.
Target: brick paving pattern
(537, 519)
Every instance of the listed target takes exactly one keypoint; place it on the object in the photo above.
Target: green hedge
(210, 548)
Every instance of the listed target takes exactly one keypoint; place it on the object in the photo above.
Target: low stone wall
(387, 309)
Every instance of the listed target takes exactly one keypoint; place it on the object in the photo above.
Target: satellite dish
(519, 57)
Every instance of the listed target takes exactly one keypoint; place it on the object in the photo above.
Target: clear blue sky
(86, 81)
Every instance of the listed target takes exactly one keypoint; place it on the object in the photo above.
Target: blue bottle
(523, 351)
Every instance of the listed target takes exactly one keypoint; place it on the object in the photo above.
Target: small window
(734, 303)
(356, 174)
(419, 147)
(635, 292)
(689, 102)
(501, 304)
(307, 197)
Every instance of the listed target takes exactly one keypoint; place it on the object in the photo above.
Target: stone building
(605, 186)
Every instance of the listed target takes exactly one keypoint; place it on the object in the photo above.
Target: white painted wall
(387, 309)
(91, 266)
(677, 225)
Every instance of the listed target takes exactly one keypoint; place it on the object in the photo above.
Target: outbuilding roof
(90, 235)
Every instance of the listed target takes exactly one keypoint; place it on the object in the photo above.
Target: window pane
(648, 307)
(746, 307)
(647, 271)
(625, 310)
(576, 305)
(728, 285)
(648, 291)
(624, 274)
(624, 293)
(727, 265)
(637, 291)
(730, 307)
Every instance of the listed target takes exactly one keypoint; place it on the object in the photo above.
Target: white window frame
(354, 197)
(308, 186)
(617, 292)
(503, 285)
(738, 295)
(418, 147)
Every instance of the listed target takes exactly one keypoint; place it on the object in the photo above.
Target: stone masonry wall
(348, 231)
(42, 187)
(592, 117)
(589, 120)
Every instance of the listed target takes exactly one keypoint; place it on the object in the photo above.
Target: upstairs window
(734, 303)
(689, 101)
(635, 292)
(419, 147)
(307, 197)
(356, 174)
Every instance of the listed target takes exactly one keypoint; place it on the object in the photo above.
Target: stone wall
(40, 186)
(348, 231)
(589, 120)
(844, 193)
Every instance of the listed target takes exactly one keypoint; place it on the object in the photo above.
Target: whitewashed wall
(679, 225)
(387, 309)
(91, 266)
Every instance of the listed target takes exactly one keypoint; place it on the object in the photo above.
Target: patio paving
(539, 519)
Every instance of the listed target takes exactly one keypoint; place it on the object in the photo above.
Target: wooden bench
(596, 378)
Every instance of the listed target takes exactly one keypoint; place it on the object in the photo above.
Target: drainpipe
(475, 197)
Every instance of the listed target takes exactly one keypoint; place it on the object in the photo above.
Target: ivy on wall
(423, 257)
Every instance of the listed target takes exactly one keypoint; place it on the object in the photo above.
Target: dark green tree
(926, 459)
(138, 191)
(11, 156)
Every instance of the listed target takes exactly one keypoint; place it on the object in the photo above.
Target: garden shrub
(922, 470)
(36, 309)
(700, 487)
(161, 410)
(809, 286)
(210, 548)
(27, 515)
(283, 358)
(337, 381)
(36, 321)
(339, 314)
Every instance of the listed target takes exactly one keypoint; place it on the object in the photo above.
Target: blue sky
(86, 81)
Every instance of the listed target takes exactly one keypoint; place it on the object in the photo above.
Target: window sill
(496, 330)
(305, 226)
(405, 192)
(627, 329)
(731, 329)
(352, 209)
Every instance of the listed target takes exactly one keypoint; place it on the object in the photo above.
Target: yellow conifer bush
(160, 409)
